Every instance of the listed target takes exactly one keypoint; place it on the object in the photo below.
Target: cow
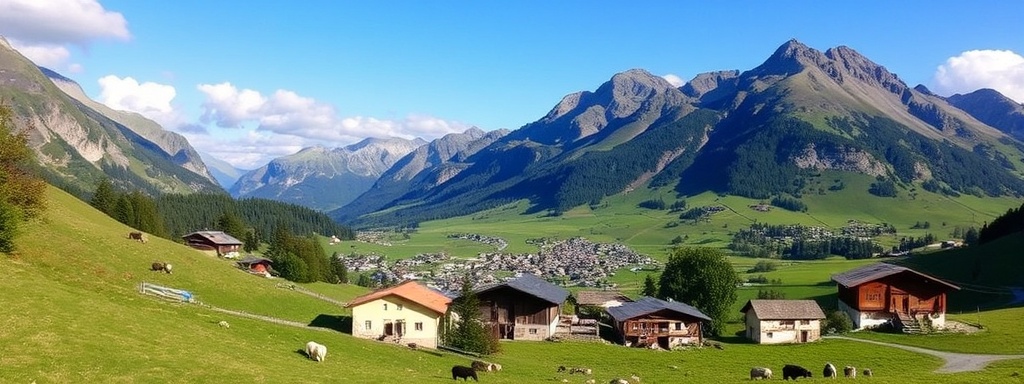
(496, 367)
(464, 372)
(794, 371)
(585, 371)
(618, 381)
(850, 372)
(760, 373)
(829, 371)
(136, 236)
(158, 266)
(315, 351)
(867, 372)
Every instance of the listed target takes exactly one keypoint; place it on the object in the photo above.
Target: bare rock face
(840, 159)
(709, 81)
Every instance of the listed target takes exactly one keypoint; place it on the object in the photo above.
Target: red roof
(410, 290)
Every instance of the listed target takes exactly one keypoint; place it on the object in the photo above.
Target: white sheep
(317, 352)
(224, 324)
(760, 373)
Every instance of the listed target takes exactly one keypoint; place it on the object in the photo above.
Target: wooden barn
(881, 293)
(256, 265)
(213, 240)
(650, 321)
(525, 308)
(783, 321)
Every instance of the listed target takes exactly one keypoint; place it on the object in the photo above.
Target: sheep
(315, 351)
(760, 373)
(829, 371)
(591, 381)
(867, 372)
(850, 372)
(224, 324)
(480, 366)
(167, 268)
(585, 371)
(496, 367)
(636, 379)
(464, 372)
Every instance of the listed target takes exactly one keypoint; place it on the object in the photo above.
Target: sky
(250, 81)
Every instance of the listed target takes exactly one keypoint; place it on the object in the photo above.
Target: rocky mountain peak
(850, 63)
(707, 82)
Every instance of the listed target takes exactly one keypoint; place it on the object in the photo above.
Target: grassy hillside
(71, 314)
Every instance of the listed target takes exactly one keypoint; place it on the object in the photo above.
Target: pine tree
(105, 198)
(469, 333)
(650, 287)
(232, 225)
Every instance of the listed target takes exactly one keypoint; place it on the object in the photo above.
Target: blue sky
(251, 81)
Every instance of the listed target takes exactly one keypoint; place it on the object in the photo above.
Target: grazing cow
(585, 371)
(618, 381)
(136, 236)
(224, 324)
(158, 266)
(829, 371)
(794, 371)
(850, 372)
(760, 373)
(561, 368)
(464, 372)
(480, 365)
(317, 352)
(867, 372)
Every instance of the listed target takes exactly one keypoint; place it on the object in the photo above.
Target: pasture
(71, 314)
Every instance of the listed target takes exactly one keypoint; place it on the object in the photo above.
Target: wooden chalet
(213, 240)
(649, 321)
(525, 308)
(881, 293)
(782, 321)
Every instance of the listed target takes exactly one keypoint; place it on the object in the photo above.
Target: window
(419, 326)
(786, 322)
(679, 326)
(769, 335)
(398, 306)
(368, 325)
(385, 306)
(533, 331)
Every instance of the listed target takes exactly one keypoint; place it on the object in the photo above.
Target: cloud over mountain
(42, 30)
(1002, 70)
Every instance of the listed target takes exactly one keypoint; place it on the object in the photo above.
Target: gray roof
(855, 277)
(532, 285)
(216, 237)
(253, 260)
(646, 305)
(784, 309)
(599, 297)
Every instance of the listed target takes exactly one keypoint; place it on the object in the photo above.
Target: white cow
(317, 352)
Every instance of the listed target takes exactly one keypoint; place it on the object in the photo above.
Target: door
(803, 336)
(899, 302)
(389, 329)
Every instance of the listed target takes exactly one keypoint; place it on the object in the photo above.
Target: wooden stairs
(908, 324)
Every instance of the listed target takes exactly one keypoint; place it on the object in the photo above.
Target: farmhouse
(650, 321)
(256, 265)
(525, 308)
(213, 240)
(881, 293)
(783, 321)
(408, 313)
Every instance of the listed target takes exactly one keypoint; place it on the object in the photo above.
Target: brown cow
(136, 236)
(158, 266)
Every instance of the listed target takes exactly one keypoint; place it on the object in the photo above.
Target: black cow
(794, 371)
(464, 372)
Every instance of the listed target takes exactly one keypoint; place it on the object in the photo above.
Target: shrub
(837, 322)
(763, 266)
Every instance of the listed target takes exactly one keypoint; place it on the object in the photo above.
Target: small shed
(256, 265)
(524, 308)
(783, 321)
(650, 321)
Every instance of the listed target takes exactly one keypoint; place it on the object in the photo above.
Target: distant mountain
(79, 141)
(992, 108)
(759, 133)
(426, 167)
(222, 171)
(323, 178)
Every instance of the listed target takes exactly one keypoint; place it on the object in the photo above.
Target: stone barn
(783, 321)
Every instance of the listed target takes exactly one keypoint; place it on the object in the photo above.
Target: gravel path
(955, 362)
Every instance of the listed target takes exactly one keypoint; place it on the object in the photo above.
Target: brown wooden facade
(662, 328)
(899, 293)
(516, 315)
(217, 241)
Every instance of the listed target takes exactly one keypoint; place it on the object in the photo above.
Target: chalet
(213, 240)
(783, 321)
(650, 321)
(882, 293)
(407, 313)
(525, 308)
(256, 265)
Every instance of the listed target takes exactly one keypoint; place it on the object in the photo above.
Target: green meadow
(72, 314)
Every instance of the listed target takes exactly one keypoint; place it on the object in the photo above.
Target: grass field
(71, 314)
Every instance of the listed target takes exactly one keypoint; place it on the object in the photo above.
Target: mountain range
(757, 133)
(78, 141)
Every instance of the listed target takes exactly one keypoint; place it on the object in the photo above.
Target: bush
(763, 266)
(770, 294)
(837, 322)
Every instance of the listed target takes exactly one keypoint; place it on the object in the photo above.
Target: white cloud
(287, 113)
(42, 30)
(150, 99)
(972, 70)
(673, 79)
